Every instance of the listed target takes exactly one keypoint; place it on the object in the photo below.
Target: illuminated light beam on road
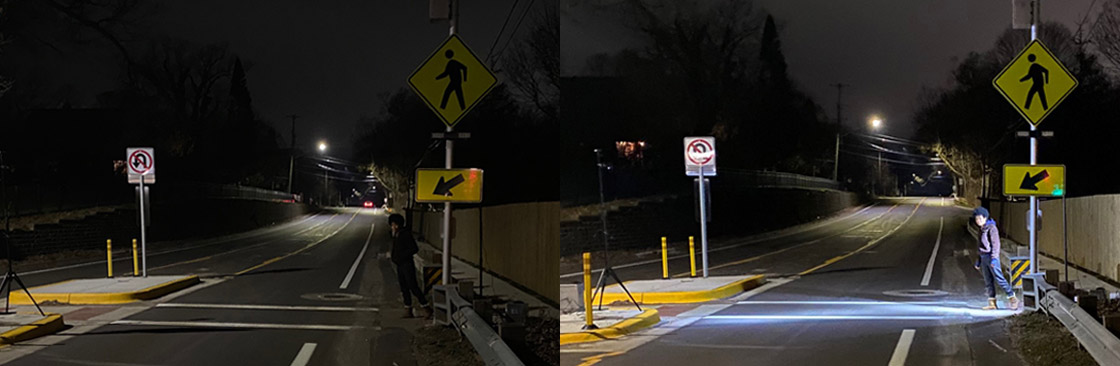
(823, 317)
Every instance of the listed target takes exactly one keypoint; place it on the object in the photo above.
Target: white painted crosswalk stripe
(265, 307)
(304, 354)
(199, 324)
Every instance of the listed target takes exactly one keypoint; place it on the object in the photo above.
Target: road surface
(291, 295)
(891, 285)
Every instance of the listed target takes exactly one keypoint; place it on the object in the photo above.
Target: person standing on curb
(404, 247)
(988, 263)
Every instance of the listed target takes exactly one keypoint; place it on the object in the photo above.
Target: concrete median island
(102, 291)
(680, 290)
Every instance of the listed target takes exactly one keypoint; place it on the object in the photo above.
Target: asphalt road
(289, 295)
(855, 291)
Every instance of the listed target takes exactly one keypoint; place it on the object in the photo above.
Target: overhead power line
(889, 160)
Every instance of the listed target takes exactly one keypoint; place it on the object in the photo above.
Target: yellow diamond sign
(1034, 180)
(452, 80)
(1035, 82)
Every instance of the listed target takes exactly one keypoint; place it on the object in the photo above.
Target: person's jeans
(993, 275)
(406, 277)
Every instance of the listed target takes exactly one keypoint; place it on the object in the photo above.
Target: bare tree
(1106, 32)
(708, 49)
(533, 67)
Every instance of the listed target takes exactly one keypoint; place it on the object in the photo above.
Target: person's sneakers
(427, 311)
(408, 312)
(1014, 302)
(991, 304)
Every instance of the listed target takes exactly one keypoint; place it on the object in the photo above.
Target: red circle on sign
(698, 157)
(147, 163)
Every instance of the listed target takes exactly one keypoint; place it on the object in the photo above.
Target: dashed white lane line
(902, 349)
(161, 323)
(933, 256)
(304, 354)
(357, 261)
(264, 307)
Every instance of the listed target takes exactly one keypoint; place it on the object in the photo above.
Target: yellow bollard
(587, 300)
(664, 260)
(109, 255)
(136, 261)
(692, 254)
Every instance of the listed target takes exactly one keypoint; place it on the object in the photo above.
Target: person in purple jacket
(988, 263)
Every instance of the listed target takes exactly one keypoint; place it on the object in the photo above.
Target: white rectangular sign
(140, 161)
(700, 153)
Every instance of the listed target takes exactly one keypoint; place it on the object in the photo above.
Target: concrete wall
(1093, 231)
(521, 241)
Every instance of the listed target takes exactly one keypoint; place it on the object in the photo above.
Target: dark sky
(886, 49)
(329, 60)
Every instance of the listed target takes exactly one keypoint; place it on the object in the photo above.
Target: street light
(876, 124)
(323, 150)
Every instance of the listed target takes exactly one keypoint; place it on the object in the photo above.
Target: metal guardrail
(1097, 340)
(486, 342)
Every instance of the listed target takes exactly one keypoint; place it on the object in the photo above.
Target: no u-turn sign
(700, 154)
(141, 161)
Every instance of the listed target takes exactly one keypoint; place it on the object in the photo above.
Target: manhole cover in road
(915, 293)
(332, 297)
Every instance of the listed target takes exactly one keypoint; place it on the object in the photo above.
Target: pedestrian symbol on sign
(1039, 77)
(456, 74)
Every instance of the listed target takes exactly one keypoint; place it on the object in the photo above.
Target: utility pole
(836, 157)
(292, 152)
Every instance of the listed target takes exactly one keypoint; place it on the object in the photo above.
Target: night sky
(328, 61)
(886, 49)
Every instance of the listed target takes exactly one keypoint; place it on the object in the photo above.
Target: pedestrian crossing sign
(1035, 82)
(452, 80)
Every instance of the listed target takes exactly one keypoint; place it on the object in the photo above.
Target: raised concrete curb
(646, 319)
(683, 297)
(99, 298)
(51, 324)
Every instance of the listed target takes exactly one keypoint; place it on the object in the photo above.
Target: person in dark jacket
(988, 263)
(404, 247)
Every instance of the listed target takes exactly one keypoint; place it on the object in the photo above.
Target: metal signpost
(451, 82)
(1034, 82)
(142, 170)
(700, 162)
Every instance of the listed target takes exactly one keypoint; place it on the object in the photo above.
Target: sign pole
(703, 223)
(143, 231)
(448, 148)
(1033, 205)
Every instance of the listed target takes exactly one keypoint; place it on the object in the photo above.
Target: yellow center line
(868, 245)
(814, 241)
(297, 251)
(196, 260)
(588, 361)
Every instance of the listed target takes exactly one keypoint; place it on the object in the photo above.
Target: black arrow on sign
(1030, 182)
(443, 188)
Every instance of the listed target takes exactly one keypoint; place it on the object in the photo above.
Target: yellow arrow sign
(452, 80)
(449, 185)
(1035, 82)
(1034, 180)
